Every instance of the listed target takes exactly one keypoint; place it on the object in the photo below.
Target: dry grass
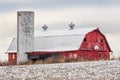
(51, 60)
(113, 58)
(6, 63)
(48, 60)
(81, 59)
(39, 62)
(119, 58)
(61, 60)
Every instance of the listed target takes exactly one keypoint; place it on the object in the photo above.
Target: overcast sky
(57, 14)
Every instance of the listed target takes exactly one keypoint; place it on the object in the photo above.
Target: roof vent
(71, 25)
(44, 27)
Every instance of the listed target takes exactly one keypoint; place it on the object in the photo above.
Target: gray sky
(57, 14)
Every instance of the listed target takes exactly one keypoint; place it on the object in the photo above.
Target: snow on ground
(94, 70)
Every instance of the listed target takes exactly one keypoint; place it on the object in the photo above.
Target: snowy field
(95, 70)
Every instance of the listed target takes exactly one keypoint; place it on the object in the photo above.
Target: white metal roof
(56, 40)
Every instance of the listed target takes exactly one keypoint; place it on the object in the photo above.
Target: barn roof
(56, 40)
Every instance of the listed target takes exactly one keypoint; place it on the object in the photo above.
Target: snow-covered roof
(58, 43)
(13, 46)
(56, 40)
(64, 32)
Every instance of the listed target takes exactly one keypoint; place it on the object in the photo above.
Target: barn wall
(87, 55)
(95, 38)
(12, 57)
(95, 44)
(94, 55)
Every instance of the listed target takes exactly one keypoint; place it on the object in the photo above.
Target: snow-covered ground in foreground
(94, 70)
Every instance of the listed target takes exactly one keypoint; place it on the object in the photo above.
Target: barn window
(96, 47)
(85, 39)
(101, 40)
(99, 55)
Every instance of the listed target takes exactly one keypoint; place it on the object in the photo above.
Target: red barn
(88, 43)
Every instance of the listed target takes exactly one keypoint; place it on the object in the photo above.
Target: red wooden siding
(95, 46)
(12, 57)
(92, 39)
